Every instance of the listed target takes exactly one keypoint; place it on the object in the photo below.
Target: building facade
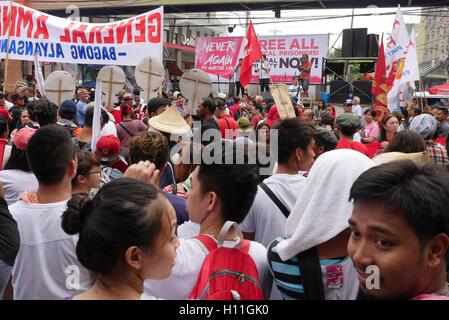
(433, 46)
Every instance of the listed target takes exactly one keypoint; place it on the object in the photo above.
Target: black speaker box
(339, 91)
(348, 43)
(335, 67)
(362, 89)
(360, 42)
(373, 45)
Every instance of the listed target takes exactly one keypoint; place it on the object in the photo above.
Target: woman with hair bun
(124, 238)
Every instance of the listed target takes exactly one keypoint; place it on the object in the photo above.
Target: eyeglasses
(94, 172)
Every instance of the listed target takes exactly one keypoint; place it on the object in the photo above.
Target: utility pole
(352, 18)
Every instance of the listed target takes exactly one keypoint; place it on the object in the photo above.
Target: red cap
(22, 137)
(108, 148)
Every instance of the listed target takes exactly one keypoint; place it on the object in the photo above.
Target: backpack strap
(127, 131)
(174, 189)
(275, 199)
(206, 242)
(311, 276)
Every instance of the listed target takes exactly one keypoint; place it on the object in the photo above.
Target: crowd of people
(329, 204)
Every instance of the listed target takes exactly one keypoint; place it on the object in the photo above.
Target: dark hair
(236, 99)
(89, 117)
(86, 160)
(445, 110)
(136, 92)
(210, 105)
(221, 103)
(43, 112)
(347, 130)
(258, 107)
(406, 141)
(155, 103)
(114, 220)
(152, 146)
(18, 160)
(126, 109)
(3, 127)
(383, 132)
(419, 193)
(50, 151)
(327, 120)
(293, 133)
(224, 179)
(371, 112)
(417, 111)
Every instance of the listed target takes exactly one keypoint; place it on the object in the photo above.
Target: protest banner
(282, 100)
(218, 55)
(215, 56)
(25, 32)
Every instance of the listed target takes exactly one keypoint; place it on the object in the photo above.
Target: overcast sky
(374, 22)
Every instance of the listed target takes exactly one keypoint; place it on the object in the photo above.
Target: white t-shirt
(189, 260)
(16, 182)
(8, 104)
(357, 110)
(108, 129)
(6, 154)
(293, 90)
(265, 218)
(188, 229)
(46, 266)
(262, 73)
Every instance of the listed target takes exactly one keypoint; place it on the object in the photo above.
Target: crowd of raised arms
(335, 203)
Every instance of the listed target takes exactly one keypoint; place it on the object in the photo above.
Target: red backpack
(227, 273)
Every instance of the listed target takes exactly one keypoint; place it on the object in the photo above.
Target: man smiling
(400, 225)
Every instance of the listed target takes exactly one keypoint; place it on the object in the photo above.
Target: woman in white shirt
(124, 238)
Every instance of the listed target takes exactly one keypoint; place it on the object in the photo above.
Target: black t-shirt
(206, 125)
(9, 235)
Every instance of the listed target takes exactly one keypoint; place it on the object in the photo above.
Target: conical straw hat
(170, 121)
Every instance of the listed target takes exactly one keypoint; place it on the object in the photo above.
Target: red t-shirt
(5, 114)
(227, 123)
(357, 146)
(117, 113)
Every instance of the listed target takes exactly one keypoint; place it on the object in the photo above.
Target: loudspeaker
(339, 91)
(355, 42)
(335, 67)
(373, 45)
(362, 89)
(360, 42)
(348, 43)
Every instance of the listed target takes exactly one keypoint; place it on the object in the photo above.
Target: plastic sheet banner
(25, 32)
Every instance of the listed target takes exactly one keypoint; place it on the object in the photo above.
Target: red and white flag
(251, 53)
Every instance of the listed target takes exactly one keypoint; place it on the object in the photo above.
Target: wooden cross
(195, 91)
(110, 81)
(150, 73)
(59, 91)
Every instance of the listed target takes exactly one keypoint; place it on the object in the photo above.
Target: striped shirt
(288, 277)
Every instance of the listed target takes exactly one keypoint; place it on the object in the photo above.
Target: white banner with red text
(55, 39)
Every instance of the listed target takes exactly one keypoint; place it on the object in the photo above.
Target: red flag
(252, 53)
(380, 88)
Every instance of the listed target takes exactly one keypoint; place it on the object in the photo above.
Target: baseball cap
(108, 148)
(22, 137)
(128, 96)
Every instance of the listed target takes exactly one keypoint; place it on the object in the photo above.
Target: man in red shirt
(3, 109)
(305, 69)
(225, 122)
(235, 109)
(348, 124)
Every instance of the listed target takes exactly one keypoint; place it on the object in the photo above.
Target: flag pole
(7, 46)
